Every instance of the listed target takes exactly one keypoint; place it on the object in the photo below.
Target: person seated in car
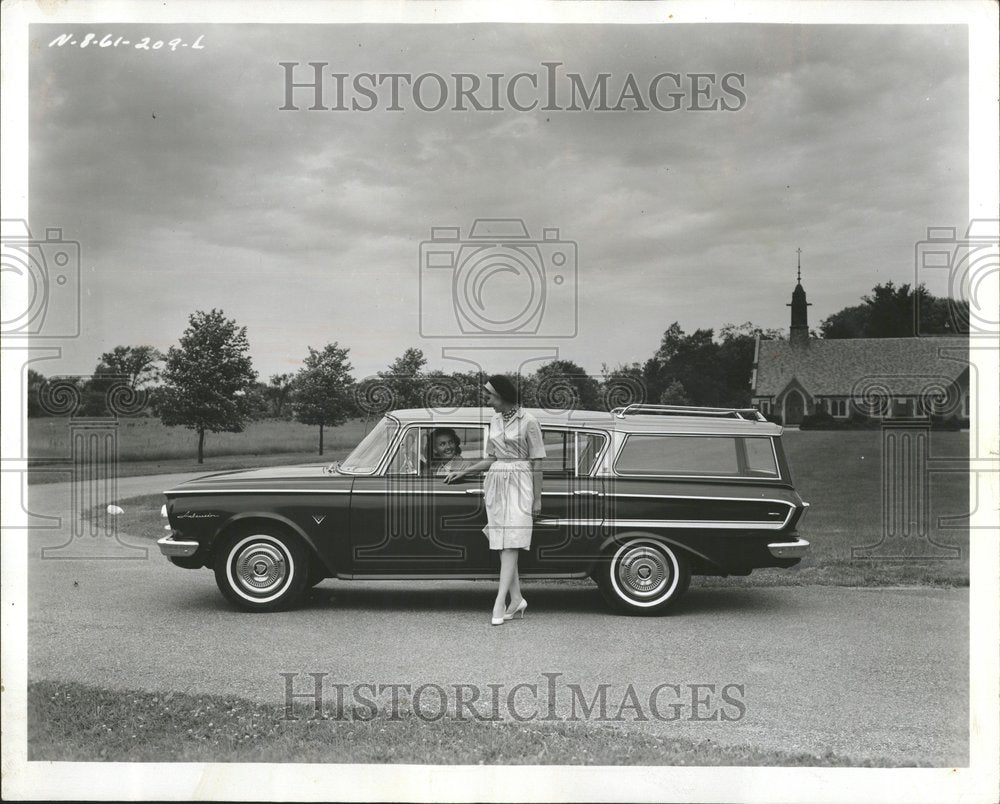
(446, 452)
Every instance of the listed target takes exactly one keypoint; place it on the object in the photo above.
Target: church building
(872, 377)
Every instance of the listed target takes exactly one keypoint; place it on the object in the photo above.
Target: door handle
(473, 491)
(587, 492)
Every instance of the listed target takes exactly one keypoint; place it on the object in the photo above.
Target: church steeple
(798, 334)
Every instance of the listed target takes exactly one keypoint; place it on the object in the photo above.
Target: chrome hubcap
(260, 568)
(643, 571)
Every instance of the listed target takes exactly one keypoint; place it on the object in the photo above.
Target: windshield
(365, 457)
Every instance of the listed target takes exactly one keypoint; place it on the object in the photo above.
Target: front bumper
(176, 549)
(796, 549)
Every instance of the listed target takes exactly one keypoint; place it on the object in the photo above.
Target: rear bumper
(176, 549)
(795, 549)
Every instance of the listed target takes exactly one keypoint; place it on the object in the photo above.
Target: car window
(365, 457)
(568, 452)
(435, 450)
(760, 457)
(679, 455)
(406, 460)
(558, 451)
(588, 449)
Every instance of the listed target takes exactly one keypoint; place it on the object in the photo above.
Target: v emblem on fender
(318, 519)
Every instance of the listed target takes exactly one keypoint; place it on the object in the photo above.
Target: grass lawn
(78, 723)
(147, 447)
(840, 474)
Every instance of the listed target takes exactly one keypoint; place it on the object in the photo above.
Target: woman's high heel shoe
(519, 610)
(497, 620)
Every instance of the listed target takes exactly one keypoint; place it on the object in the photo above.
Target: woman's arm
(536, 486)
(478, 466)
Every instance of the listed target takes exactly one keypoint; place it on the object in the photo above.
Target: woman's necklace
(508, 414)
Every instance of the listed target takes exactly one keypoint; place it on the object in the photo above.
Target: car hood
(310, 477)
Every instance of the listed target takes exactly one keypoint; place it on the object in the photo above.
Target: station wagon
(639, 499)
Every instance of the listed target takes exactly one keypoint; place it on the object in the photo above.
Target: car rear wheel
(262, 570)
(643, 576)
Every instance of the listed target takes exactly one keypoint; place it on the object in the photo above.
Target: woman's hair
(449, 433)
(505, 389)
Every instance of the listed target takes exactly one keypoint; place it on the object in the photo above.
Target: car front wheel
(262, 570)
(643, 576)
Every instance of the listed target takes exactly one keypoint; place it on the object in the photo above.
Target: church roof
(833, 367)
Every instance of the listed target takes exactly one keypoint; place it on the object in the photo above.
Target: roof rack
(637, 408)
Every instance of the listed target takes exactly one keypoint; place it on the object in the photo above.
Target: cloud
(306, 225)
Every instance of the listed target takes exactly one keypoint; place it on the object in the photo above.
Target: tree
(279, 392)
(703, 369)
(563, 384)
(95, 391)
(735, 361)
(405, 379)
(137, 364)
(125, 372)
(258, 403)
(898, 312)
(691, 360)
(323, 389)
(207, 378)
(623, 385)
(890, 311)
(851, 322)
(35, 382)
(674, 394)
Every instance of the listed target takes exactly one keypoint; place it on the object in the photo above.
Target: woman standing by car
(512, 488)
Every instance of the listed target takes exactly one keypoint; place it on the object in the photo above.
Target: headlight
(163, 510)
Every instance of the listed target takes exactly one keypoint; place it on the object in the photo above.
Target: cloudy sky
(189, 189)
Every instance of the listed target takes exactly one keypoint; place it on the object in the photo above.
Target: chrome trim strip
(796, 549)
(689, 524)
(467, 490)
(538, 574)
(169, 547)
(177, 491)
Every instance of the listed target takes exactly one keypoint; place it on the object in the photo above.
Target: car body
(639, 498)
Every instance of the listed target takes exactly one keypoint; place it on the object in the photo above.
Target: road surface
(867, 673)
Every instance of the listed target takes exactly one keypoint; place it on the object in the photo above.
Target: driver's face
(444, 447)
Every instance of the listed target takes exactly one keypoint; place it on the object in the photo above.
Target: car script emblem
(318, 519)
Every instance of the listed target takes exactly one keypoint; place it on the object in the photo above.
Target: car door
(408, 521)
(568, 532)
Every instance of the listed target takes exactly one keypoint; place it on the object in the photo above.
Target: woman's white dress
(507, 487)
